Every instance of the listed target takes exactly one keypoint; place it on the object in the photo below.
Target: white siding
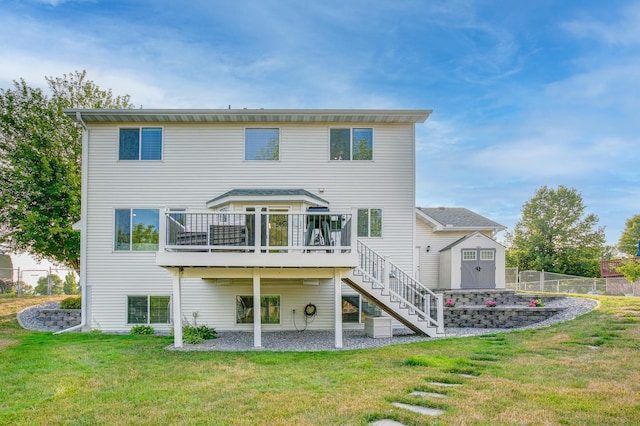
(203, 161)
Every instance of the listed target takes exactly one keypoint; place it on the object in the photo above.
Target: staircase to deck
(397, 293)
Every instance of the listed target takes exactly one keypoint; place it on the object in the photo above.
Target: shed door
(478, 268)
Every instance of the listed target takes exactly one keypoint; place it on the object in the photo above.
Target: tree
(555, 235)
(70, 285)
(628, 242)
(40, 154)
(52, 282)
(631, 271)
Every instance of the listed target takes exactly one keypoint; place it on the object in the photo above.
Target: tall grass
(586, 371)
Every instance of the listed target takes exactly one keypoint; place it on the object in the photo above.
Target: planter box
(378, 327)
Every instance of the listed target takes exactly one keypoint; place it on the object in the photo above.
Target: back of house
(212, 215)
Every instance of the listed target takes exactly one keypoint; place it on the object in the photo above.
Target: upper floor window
(351, 144)
(141, 143)
(369, 222)
(262, 144)
(136, 229)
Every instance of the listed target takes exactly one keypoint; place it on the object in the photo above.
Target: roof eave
(250, 115)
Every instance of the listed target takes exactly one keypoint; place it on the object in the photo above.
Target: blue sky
(524, 94)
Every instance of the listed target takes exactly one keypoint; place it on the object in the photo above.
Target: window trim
(361, 301)
(115, 229)
(369, 209)
(148, 314)
(140, 128)
(262, 296)
(351, 152)
(244, 145)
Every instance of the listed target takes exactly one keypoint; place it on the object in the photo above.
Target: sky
(524, 94)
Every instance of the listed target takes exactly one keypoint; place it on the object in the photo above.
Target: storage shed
(471, 263)
(439, 230)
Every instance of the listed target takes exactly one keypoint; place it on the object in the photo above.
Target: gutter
(84, 191)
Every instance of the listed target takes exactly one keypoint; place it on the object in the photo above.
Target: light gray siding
(203, 161)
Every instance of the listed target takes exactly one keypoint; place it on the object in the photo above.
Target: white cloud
(624, 31)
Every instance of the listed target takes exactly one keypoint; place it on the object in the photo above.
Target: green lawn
(586, 371)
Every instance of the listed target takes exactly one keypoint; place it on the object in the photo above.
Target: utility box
(378, 327)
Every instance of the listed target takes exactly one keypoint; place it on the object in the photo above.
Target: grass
(582, 372)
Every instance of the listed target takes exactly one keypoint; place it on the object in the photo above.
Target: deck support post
(177, 307)
(337, 309)
(257, 326)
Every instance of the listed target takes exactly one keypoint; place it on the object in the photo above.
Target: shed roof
(457, 218)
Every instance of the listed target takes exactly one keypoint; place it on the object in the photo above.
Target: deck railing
(408, 291)
(259, 232)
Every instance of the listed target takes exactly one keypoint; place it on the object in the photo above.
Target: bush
(142, 330)
(197, 334)
(71, 303)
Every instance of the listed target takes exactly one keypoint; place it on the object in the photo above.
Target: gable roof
(465, 238)
(272, 195)
(248, 115)
(456, 219)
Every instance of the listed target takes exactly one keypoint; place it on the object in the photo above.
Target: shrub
(142, 329)
(71, 303)
(197, 334)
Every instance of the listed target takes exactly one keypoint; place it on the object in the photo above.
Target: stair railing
(402, 287)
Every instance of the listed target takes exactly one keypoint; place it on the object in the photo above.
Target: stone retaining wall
(59, 319)
(502, 297)
(498, 317)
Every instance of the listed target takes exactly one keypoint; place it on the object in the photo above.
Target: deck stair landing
(397, 293)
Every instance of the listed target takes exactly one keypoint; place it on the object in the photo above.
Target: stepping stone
(444, 384)
(419, 409)
(386, 422)
(431, 394)
(468, 376)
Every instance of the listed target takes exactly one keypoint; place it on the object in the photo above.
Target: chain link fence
(550, 282)
(39, 282)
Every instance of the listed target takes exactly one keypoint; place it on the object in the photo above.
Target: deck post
(177, 307)
(257, 318)
(162, 229)
(440, 313)
(337, 310)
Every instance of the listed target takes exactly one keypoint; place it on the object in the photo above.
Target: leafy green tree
(554, 234)
(42, 287)
(70, 285)
(40, 152)
(631, 271)
(628, 242)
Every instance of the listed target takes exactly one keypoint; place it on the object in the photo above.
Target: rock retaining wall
(512, 309)
(59, 319)
(502, 297)
(498, 317)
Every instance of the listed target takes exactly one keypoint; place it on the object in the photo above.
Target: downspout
(84, 191)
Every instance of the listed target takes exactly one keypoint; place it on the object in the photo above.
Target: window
(486, 254)
(369, 222)
(469, 255)
(355, 308)
(262, 144)
(140, 144)
(351, 144)
(136, 229)
(148, 309)
(269, 309)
